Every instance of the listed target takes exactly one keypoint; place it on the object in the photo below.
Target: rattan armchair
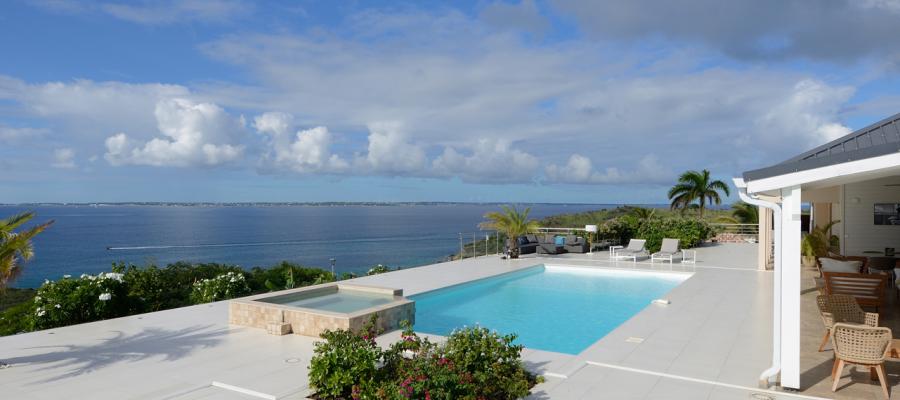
(860, 345)
(842, 308)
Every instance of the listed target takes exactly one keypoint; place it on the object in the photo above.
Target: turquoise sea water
(561, 309)
(88, 239)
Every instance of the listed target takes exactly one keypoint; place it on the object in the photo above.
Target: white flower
(67, 276)
(105, 296)
(37, 299)
(41, 312)
(83, 276)
(58, 306)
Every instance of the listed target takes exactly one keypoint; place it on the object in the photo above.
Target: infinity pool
(553, 308)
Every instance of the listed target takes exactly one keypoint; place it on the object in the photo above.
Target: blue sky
(527, 101)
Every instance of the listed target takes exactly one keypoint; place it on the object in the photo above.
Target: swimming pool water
(342, 301)
(561, 309)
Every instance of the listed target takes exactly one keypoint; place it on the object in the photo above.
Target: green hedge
(690, 232)
(129, 290)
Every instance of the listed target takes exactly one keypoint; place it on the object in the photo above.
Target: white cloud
(580, 170)
(167, 12)
(196, 134)
(308, 151)
(154, 12)
(490, 161)
(460, 94)
(11, 134)
(64, 158)
(805, 111)
(389, 152)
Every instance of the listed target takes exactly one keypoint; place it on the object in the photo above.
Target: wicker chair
(860, 345)
(842, 308)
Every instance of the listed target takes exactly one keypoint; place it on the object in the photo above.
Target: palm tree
(512, 223)
(742, 213)
(699, 186)
(15, 247)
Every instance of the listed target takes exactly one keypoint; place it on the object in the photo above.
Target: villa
(738, 323)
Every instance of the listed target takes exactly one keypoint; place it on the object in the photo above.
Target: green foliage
(741, 213)
(512, 223)
(378, 269)
(17, 319)
(83, 299)
(223, 287)
(13, 297)
(820, 241)
(697, 186)
(473, 364)
(285, 276)
(690, 232)
(15, 246)
(142, 289)
(345, 360)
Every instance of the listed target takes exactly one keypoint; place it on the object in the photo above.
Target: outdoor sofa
(558, 244)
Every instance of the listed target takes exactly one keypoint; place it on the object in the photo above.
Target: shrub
(223, 287)
(474, 363)
(17, 319)
(285, 276)
(690, 232)
(83, 299)
(491, 360)
(345, 363)
(378, 269)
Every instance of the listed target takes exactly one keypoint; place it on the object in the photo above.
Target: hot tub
(312, 310)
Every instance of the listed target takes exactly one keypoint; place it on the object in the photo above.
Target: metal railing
(739, 229)
(480, 243)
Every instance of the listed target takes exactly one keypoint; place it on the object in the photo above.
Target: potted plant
(819, 243)
(512, 223)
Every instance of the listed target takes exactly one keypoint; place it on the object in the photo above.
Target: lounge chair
(634, 250)
(860, 345)
(867, 289)
(842, 308)
(667, 252)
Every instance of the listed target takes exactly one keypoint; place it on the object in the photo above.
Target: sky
(490, 101)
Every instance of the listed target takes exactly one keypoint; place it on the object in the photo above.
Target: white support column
(790, 287)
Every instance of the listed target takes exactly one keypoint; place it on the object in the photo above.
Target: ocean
(88, 239)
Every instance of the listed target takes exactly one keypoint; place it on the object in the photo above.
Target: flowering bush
(83, 299)
(378, 269)
(345, 365)
(226, 286)
(473, 364)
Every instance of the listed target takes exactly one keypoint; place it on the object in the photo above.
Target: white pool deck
(711, 342)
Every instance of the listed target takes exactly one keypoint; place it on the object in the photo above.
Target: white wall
(858, 220)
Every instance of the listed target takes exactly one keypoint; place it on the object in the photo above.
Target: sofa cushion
(571, 239)
(531, 238)
(832, 265)
(522, 241)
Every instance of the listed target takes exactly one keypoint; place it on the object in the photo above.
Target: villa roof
(878, 139)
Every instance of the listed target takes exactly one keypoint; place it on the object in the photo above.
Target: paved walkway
(712, 341)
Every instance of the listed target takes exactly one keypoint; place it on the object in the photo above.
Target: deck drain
(761, 396)
(633, 339)
(292, 360)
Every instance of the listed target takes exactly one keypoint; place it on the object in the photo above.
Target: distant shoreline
(309, 204)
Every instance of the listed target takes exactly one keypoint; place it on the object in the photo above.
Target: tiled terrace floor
(816, 366)
(711, 342)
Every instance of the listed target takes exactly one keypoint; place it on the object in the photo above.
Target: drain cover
(634, 340)
(761, 396)
(292, 360)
